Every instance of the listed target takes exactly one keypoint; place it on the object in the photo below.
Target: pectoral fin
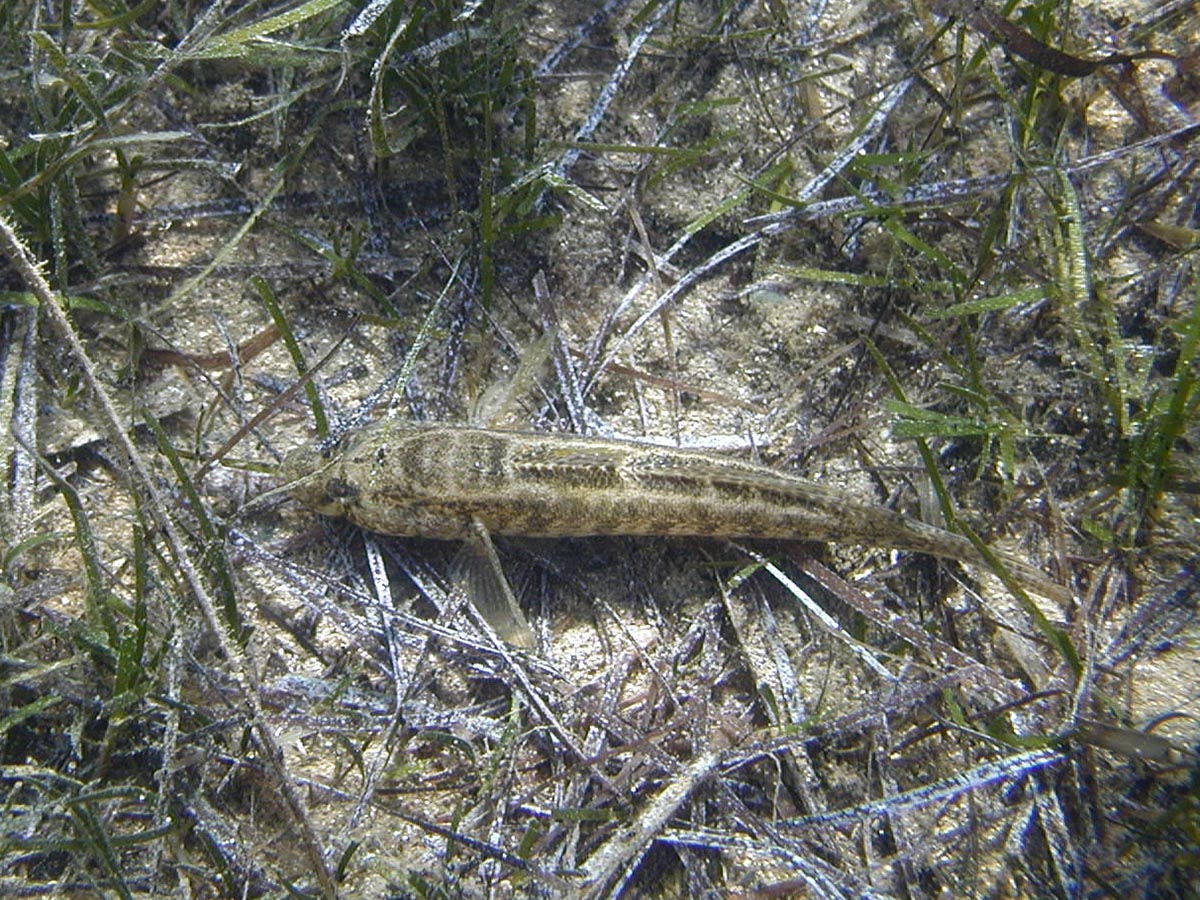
(477, 568)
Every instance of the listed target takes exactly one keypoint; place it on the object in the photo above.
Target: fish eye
(340, 489)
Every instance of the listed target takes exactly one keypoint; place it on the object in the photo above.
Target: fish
(443, 482)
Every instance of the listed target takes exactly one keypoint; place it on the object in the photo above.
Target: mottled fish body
(437, 481)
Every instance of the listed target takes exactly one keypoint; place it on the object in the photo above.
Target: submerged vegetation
(943, 256)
